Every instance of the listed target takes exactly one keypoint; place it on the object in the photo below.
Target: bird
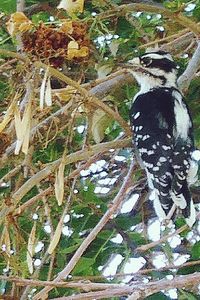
(163, 134)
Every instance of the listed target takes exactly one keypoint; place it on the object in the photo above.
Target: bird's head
(153, 69)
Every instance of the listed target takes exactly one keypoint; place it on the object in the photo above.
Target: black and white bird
(163, 134)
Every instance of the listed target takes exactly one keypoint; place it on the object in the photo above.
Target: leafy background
(40, 230)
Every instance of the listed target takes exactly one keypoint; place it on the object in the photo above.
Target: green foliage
(85, 207)
(40, 17)
(84, 266)
(184, 295)
(196, 250)
(158, 296)
(8, 6)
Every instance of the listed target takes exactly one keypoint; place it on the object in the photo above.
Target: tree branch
(20, 5)
(44, 173)
(87, 96)
(146, 247)
(139, 290)
(189, 73)
(80, 284)
(177, 17)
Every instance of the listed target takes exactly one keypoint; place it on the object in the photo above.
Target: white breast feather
(182, 117)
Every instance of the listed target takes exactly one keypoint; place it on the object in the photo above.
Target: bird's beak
(135, 61)
(131, 64)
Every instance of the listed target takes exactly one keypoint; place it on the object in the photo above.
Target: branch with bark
(192, 67)
(139, 290)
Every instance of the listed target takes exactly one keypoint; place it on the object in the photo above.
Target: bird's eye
(146, 61)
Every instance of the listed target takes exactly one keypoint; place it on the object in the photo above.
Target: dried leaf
(71, 6)
(55, 240)
(100, 121)
(25, 144)
(48, 95)
(7, 240)
(59, 183)
(66, 27)
(22, 128)
(26, 123)
(25, 27)
(114, 46)
(73, 51)
(31, 248)
(73, 45)
(16, 21)
(66, 94)
(103, 71)
(7, 117)
(42, 90)
(19, 131)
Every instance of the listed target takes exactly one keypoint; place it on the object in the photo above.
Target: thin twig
(80, 284)
(146, 247)
(177, 17)
(14, 55)
(87, 96)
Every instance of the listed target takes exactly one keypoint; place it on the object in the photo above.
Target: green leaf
(8, 6)
(137, 238)
(100, 121)
(158, 296)
(196, 251)
(88, 194)
(184, 295)
(83, 265)
(70, 249)
(41, 16)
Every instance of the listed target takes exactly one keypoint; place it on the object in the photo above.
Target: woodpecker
(163, 134)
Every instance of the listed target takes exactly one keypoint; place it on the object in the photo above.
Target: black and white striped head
(154, 69)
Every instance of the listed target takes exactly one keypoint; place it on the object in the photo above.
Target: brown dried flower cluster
(54, 45)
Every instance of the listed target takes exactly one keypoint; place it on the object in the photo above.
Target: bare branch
(20, 5)
(138, 290)
(177, 17)
(146, 247)
(80, 285)
(189, 73)
(14, 55)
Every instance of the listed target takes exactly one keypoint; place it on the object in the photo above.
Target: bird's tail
(185, 202)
